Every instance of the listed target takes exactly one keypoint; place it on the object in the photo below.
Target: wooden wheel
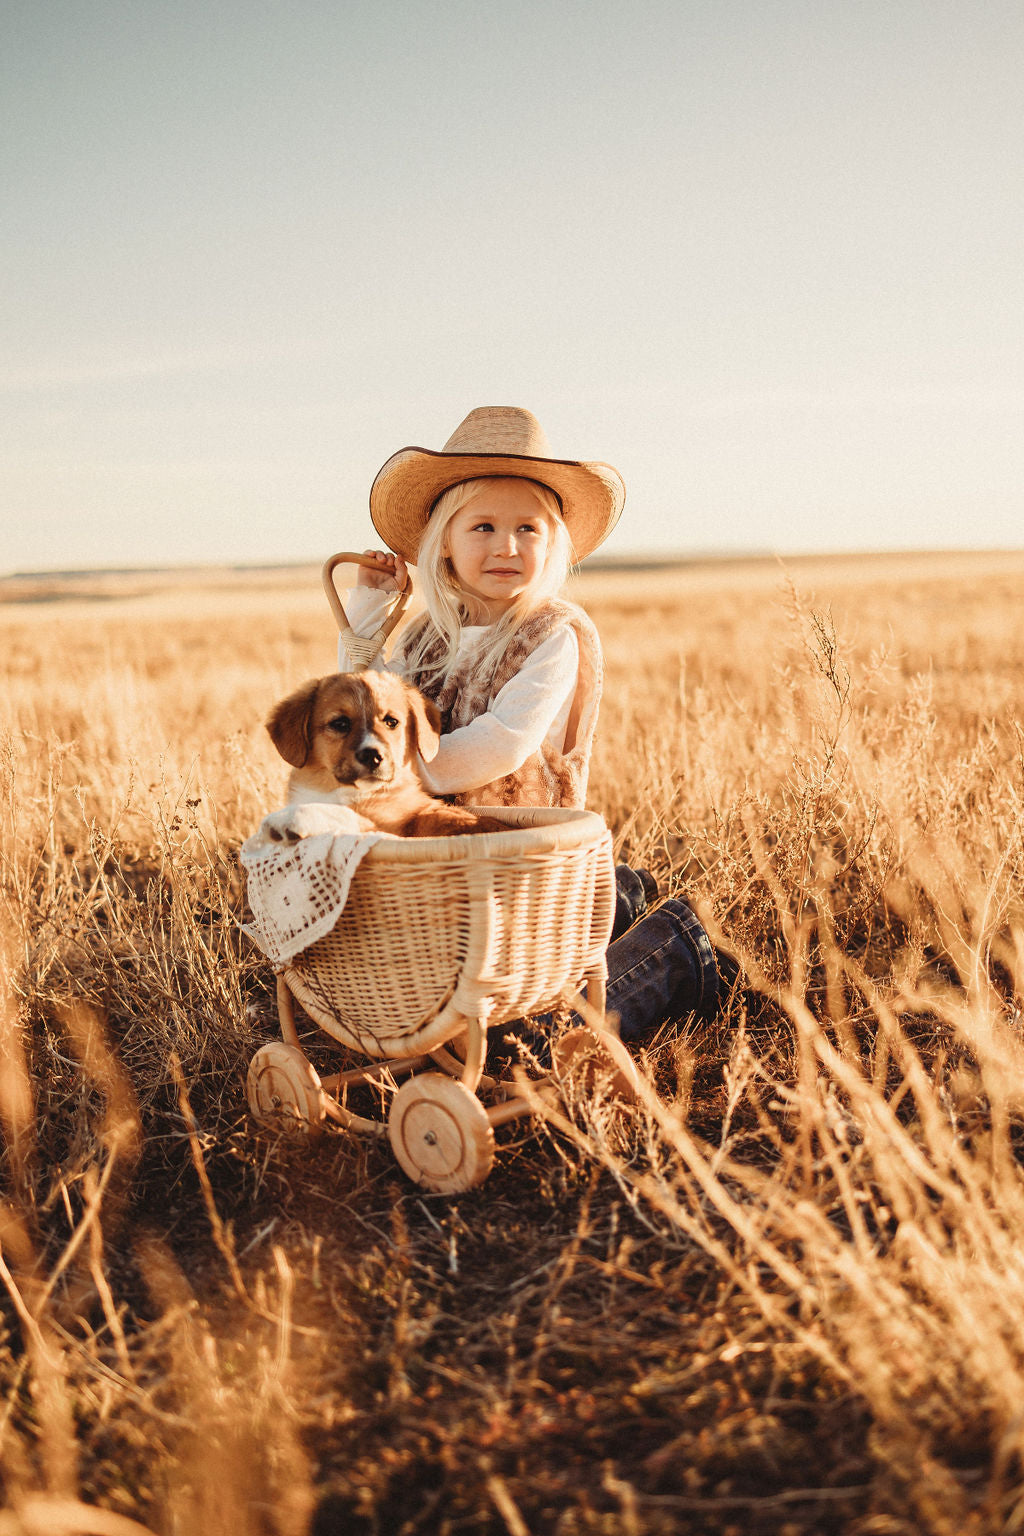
(582, 1055)
(284, 1091)
(440, 1134)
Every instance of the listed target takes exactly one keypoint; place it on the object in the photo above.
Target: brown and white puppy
(353, 738)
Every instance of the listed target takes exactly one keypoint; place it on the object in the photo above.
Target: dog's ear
(425, 725)
(291, 724)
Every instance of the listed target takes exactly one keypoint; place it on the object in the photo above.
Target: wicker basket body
(436, 931)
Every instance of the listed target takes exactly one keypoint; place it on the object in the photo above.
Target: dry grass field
(785, 1295)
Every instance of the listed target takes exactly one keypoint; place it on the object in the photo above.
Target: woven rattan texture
(421, 946)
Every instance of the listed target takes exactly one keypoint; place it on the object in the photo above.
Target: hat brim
(403, 495)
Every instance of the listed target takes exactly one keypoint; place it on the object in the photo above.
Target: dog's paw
(295, 822)
(279, 826)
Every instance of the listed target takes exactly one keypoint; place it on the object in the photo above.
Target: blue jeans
(661, 966)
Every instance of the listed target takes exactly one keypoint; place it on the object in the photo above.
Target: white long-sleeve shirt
(533, 707)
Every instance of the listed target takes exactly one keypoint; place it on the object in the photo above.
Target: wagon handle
(362, 649)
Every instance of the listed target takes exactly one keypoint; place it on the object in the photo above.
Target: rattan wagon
(440, 941)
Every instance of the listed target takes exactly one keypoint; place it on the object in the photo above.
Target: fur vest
(549, 776)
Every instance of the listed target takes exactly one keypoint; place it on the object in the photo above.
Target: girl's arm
(526, 711)
(365, 609)
(368, 603)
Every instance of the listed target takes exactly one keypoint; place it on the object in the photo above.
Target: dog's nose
(368, 757)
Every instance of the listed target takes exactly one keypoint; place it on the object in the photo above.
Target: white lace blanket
(297, 873)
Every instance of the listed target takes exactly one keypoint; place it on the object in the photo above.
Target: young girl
(492, 523)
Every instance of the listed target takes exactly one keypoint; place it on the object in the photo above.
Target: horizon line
(627, 560)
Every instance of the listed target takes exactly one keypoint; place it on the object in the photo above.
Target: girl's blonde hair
(445, 601)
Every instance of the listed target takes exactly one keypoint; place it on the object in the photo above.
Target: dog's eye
(391, 722)
(341, 723)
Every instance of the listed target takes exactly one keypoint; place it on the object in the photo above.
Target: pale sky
(765, 256)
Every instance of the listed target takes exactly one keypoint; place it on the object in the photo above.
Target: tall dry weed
(783, 1295)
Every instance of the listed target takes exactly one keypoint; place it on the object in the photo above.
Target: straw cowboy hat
(493, 440)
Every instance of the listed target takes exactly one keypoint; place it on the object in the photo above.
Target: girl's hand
(391, 574)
